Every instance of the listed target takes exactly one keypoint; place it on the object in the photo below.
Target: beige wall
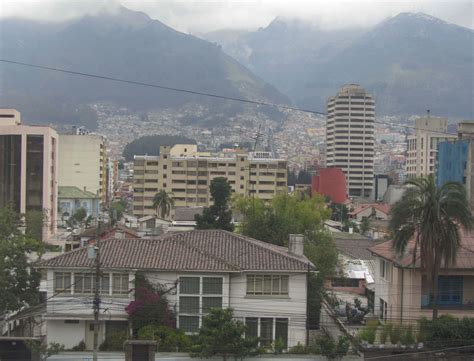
(83, 163)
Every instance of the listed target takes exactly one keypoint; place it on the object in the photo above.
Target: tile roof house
(376, 211)
(70, 199)
(402, 291)
(264, 284)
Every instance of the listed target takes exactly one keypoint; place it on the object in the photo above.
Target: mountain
(124, 44)
(411, 62)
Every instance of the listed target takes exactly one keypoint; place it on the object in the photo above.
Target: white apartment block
(350, 138)
(28, 168)
(83, 163)
(186, 174)
(422, 146)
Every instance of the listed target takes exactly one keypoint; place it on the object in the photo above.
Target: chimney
(296, 244)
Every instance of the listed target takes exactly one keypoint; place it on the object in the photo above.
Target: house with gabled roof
(265, 284)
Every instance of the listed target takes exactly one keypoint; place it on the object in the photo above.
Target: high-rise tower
(350, 137)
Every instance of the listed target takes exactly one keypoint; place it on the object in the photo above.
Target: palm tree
(431, 217)
(163, 202)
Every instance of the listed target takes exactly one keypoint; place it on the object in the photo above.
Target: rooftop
(72, 192)
(199, 250)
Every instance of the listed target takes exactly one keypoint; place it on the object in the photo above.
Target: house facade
(70, 199)
(402, 290)
(264, 284)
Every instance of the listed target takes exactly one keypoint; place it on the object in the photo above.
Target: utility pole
(96, 303)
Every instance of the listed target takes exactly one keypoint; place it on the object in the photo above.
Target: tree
(19, 279)
(331, 349)
(304, 177)
(163, 203)
(340, 213)
(34, 221)
(221, 335)
(43, 351)
(80, 215)
(364, 225)
(219, 215)
(116, 210)
(431, 218)
(285, 214)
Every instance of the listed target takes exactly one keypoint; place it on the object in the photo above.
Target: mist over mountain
(123, 44)
(411, 62)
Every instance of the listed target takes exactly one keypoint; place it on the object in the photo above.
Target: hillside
(124, 44)
(411, 62)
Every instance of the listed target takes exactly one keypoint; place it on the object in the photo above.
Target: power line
(195, 92)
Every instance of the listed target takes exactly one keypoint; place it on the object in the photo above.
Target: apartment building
(422, 146)
(28, 168)
(350, 138)
(83, 163)
(186, 174)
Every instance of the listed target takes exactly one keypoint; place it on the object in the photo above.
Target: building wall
(187, 178)
(70, 206)
(350, 137)
(67, 334)
(330, 182)
(83, 163)
(37, 191)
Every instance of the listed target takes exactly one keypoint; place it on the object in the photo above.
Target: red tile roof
(464, 258)
(213, 250)
(382, 207)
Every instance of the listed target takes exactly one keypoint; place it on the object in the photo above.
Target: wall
(67, 334)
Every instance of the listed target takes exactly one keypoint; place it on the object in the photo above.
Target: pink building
(331, 182)
(28, 168)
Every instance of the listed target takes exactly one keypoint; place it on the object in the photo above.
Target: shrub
(330, 348)
(447, 329)
(114, 342)
(395, 334)
(298, 349)
(385, 333)
(369, 331)
(81, 346)
(169, 339)
(279, 346)
(408, 336)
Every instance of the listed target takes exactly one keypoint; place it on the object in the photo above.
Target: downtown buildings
(29, 168)
(350, 138)
(186, 174)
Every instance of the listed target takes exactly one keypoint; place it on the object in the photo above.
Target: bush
(298, 349)
(369, 331)
(447, 329)
(169, 339)
(328, 347)
(114, 342)
(385, 333)
(408, 336)
(279, 346)
(81, 346)
(395, 334)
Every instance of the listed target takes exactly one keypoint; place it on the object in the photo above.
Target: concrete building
(350, 138)
(28, 168)
(330, 182)
(83, 163)
(455, 161)
(186, 174)
(72, 198)
(266, 289)
(422, 146)
(380, 186)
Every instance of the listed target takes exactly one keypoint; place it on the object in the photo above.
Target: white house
(266, 285)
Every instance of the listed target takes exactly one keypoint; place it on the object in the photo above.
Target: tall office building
(83, 163)
(423, 144)
(350, 138)
(186, 174)
(28, 168)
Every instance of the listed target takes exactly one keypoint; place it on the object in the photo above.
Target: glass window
(281, 330)
(188, 304)
(252, 327)
(189, 285)
(266, 331)
(120, 283)
(212, 285)
(267, 285)
(211, 302)
(189, 323)
(62, 281)
(84, 283)
(450, 290)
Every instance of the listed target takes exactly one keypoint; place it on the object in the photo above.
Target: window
(266, 331)
(281, 330)
(345, 282)
(384, 269)
(62, 281)
(120, 284)
(450, 290)
(252, 327)
(267, 285)
(84, 283)
(197, 295)
(383, 309)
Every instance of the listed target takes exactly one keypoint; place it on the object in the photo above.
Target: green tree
(80, 215)
(163, 203)
(364, 226)
(116, 210)
(432, 218)
(333, 350)
(221, 335)
(219, 215)
(19, 279)
(34, 221)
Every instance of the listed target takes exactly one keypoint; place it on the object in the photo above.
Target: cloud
(203, 16)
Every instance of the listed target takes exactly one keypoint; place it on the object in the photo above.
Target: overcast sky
(201, 16)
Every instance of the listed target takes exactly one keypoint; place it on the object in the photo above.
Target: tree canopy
(163, 203)
(19, 280)
(219, 215)
(432, 218)
(150, 145)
